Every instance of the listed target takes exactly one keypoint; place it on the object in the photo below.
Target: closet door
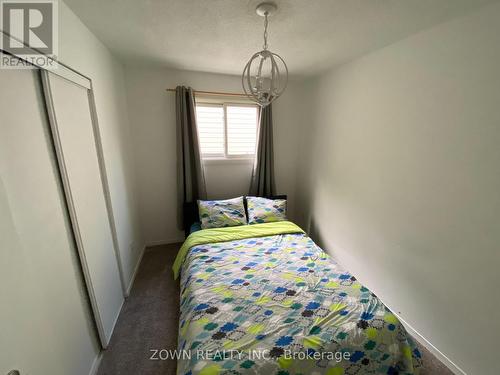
(45, 321)
(72, 125)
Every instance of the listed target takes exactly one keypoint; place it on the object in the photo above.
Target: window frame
(226, 156)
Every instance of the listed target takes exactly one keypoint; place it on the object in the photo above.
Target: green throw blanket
(214, 235)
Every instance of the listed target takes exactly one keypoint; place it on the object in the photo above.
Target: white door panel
(75, 143)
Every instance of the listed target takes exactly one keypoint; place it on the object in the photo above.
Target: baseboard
(165, 242)
(419, 337)
(95, 365)
(132, 279)
(141, 255)
(428, 345)
(97, 361)
(423, 341)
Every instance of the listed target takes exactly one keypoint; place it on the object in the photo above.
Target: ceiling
(221, 35)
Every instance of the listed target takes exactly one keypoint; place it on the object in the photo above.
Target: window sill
(242, 160)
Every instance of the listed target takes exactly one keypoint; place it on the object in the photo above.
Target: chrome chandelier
(265, 75)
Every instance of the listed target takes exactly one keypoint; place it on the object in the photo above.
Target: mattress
(278, 304)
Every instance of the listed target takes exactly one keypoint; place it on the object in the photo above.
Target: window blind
(227, 130)
(241, 129)
(210, 122)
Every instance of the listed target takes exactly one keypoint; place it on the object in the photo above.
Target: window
(227, 130)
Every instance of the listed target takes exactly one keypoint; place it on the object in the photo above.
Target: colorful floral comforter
(280, 305)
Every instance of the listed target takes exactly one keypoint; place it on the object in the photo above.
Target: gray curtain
(191, 177)
(263, 184)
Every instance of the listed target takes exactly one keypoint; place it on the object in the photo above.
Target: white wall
(81, 50)
(400, 180)
(48, 298)
(152, 115)
(288, 121)
(227, 178)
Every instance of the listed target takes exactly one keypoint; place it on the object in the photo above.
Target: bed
(265, 299)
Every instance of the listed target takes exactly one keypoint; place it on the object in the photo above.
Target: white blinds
(241, 130)
(227, 130)
(210, 121)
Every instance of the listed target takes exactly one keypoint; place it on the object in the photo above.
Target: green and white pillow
(222, 213)
(263, 210)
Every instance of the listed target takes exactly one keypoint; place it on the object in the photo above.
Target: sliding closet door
(71, 120)
(45, 322)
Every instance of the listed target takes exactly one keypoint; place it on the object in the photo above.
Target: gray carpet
(149, 320)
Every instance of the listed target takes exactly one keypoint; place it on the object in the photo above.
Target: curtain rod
(214, 93)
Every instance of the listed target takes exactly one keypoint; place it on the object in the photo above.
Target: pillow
(263, 210)
(223, 213)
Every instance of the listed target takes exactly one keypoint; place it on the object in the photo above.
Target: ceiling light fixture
(265, 75)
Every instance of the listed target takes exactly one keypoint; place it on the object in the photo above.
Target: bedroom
(381, 153)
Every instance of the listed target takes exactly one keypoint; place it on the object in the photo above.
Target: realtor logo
(29, 30)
